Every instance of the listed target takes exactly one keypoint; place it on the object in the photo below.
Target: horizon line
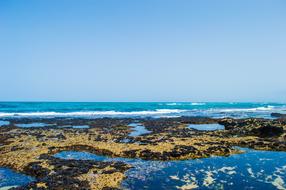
(47, 101)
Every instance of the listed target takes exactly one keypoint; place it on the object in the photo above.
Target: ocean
(139, 109)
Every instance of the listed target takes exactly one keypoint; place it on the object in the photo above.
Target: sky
(143, 50)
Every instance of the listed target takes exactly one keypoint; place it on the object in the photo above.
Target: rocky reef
(278, 115)
(30, 150)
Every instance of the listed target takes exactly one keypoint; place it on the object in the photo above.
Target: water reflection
(2, 123)
(32, 125)
(206, 127)
(251, 170)
(9, 179)
(138, 129)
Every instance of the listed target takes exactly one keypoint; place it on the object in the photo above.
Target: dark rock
(34, 169)
(130, 153)
(149, 155)
(268, 131)
(279, 115)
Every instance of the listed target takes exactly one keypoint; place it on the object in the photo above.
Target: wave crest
(198, 104)
(92, 113)
(267, 108)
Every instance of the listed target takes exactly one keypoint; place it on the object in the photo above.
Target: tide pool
(138, 129)
(32, 125)
(2, 123)
(206, 127)
(250, 170)
(10, 178)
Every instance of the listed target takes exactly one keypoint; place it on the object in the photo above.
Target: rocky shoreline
(30, 150)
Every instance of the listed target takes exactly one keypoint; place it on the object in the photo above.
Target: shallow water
(138, 129)
(75, 155)
(250, 170)
(80, 127)
(32, 125)
(206, 127)
(2, 123)
(10, 178)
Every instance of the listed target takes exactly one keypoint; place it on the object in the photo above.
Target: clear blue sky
(143, 50)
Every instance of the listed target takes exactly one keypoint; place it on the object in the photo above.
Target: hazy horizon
(238, 102)
(142, 51)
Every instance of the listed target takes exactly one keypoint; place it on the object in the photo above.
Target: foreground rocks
(74, 174)
(31, 150)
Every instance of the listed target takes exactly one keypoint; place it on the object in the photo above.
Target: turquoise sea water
(138, 109)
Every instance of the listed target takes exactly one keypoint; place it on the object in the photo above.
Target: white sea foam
(197, 104)
(192, 104)
(92, 113)
(267, 108)
(172, 104)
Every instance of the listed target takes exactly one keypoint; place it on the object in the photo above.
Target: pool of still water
(2, 123)
(10, 178)
(206, 127)
(250, 170)
(138, 129)
(32, 125)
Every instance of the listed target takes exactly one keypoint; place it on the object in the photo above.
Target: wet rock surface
(31, 150)
(279, 115)
(66, 174)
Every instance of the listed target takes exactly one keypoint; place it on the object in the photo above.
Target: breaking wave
(267, 108)
(92, 113)
(186, 104)
(198, 104)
